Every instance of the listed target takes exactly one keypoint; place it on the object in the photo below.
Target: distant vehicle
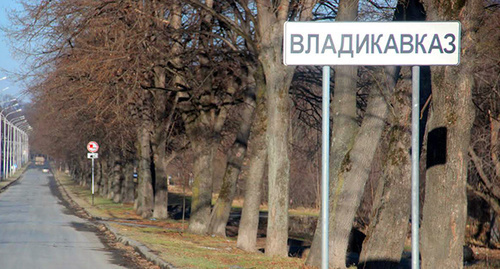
(45, 170)
(39, 160)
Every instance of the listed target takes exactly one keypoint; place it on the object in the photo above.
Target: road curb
(139, 247)
(142, 249)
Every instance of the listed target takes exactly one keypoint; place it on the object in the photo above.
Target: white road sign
(92, 146)
(92, 155)
(371, 43)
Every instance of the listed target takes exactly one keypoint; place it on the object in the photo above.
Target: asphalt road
(38, 231)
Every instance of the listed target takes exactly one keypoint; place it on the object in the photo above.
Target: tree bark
(161, 188)
(383, 247)
(160, 210)
(204, 132)
(117, 179)
(249, 223)
(145, 201)
(99, 178)
(344, 130)
(278, 110)
(236, 155)
(110, 175)
(355, 170)
(201, 135)
(452, 115)
(128, 188)
(278, 79)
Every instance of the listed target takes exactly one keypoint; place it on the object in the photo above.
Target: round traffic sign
(92, 146)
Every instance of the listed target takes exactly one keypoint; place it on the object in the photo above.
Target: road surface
(38, 231)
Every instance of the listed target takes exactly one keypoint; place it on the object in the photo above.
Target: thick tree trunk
(271, 18)
(355, 170)
(236, 155)
(344, 130)
(278, 125)
(99, 176)
(278, 79)
(452, 115)
(203, 152)
(160, 210)
(117, 179)
(383, 247)
(86, 174)
(128, 188)
(161, 188)
(145, 199)
(204, 133)
(249, 223)
(110, 175)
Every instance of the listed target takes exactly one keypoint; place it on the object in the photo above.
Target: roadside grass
(186, 250)
(14, 176)
(237, 204)
(168, 239)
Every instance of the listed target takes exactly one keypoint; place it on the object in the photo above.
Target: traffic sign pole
(92, 181)
(325, 159)
(415, 172)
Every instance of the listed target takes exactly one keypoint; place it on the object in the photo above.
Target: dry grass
(186, 250)
(238, 202)
(167, 239)
(13, 177)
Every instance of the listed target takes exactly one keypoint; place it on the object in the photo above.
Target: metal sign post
(92, 181)
(325, 168)
(92, 147)
(92, 156)
(371, 43)
(415, 168)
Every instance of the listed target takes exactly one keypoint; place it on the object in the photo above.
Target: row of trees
(165, 82)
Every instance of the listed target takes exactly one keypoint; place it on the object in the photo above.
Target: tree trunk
(344, 129)
(99, 178)
(236, 155)
(203, 131)
(160, 210)
(355, 170)
(247, 232)
(145, 199)
(383, 247)
(128, 188)
(110, 175)
(161, 188)
(271, 18)
(117, 179)
(278, 125)
(201, 136)
(452, 115)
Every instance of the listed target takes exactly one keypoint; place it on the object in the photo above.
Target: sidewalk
(164, 242)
